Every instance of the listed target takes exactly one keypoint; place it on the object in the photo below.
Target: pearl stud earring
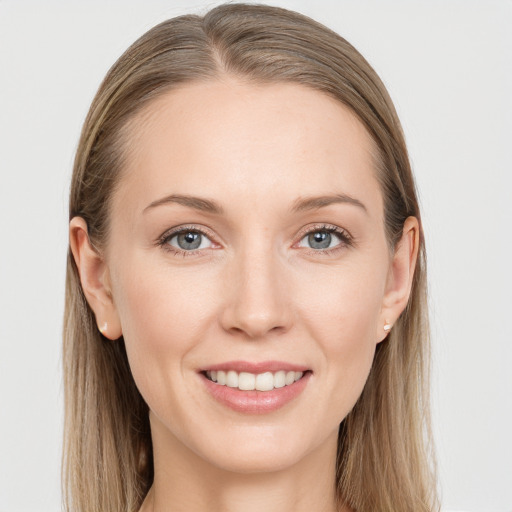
(103, 328)
(387, 326)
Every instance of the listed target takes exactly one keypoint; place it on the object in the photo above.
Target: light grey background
(447, 65)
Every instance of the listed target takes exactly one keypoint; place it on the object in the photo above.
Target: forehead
(229, 137)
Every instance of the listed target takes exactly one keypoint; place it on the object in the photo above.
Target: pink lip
(262, 367)
(255, 402)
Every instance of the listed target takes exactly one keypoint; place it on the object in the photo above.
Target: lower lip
(256, 402)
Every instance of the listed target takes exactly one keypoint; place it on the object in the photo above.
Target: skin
(255, 291)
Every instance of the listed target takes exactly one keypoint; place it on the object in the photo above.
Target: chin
(251, 461)
(262, 449)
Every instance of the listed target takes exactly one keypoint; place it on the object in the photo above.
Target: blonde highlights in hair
(384, 460)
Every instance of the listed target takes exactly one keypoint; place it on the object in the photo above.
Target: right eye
(189, 240)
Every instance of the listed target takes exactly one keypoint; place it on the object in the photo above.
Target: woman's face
(247, 237)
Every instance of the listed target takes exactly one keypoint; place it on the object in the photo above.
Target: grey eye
(189, 241)
(319, 240)
(322, 239)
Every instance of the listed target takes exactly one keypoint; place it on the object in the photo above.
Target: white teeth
(232, 379)
(246, 381)
(249, 381)
(264, 381)
(279, 379)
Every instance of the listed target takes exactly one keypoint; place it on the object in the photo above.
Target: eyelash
(346, 239)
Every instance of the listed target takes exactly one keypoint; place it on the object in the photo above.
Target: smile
(245, 381)
(255, 388)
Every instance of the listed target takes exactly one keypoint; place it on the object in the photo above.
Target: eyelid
(323, 226)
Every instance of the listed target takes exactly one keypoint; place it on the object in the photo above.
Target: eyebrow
(313, 203)
(300, 205)
(197, 203)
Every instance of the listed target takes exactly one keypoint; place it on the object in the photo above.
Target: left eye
(322, 239)
(189, 241)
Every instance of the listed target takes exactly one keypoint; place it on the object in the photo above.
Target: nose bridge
(258, 302)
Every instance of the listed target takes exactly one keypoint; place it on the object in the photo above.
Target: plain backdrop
(447, 65)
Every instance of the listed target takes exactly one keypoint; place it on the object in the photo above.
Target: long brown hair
(384, 458)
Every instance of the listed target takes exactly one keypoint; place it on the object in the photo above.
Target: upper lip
(256, 368)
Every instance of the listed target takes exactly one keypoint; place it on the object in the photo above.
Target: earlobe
(400, 275)
(95, 280)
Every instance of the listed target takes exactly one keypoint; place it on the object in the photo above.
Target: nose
(258, 303)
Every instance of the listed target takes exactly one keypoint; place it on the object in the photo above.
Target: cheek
(154, 296)
(342, 305)
(164, 315)
(343, 317)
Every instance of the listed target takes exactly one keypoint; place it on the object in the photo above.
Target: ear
(400, 276)
(95, 279)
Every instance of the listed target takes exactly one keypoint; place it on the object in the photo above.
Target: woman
(246, 321)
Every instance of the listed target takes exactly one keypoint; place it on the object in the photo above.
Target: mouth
(246, 381)
(255, 388)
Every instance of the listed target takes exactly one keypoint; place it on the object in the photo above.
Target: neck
(186, 482)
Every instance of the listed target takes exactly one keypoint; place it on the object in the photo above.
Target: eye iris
(319, 240)
(189, 241)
